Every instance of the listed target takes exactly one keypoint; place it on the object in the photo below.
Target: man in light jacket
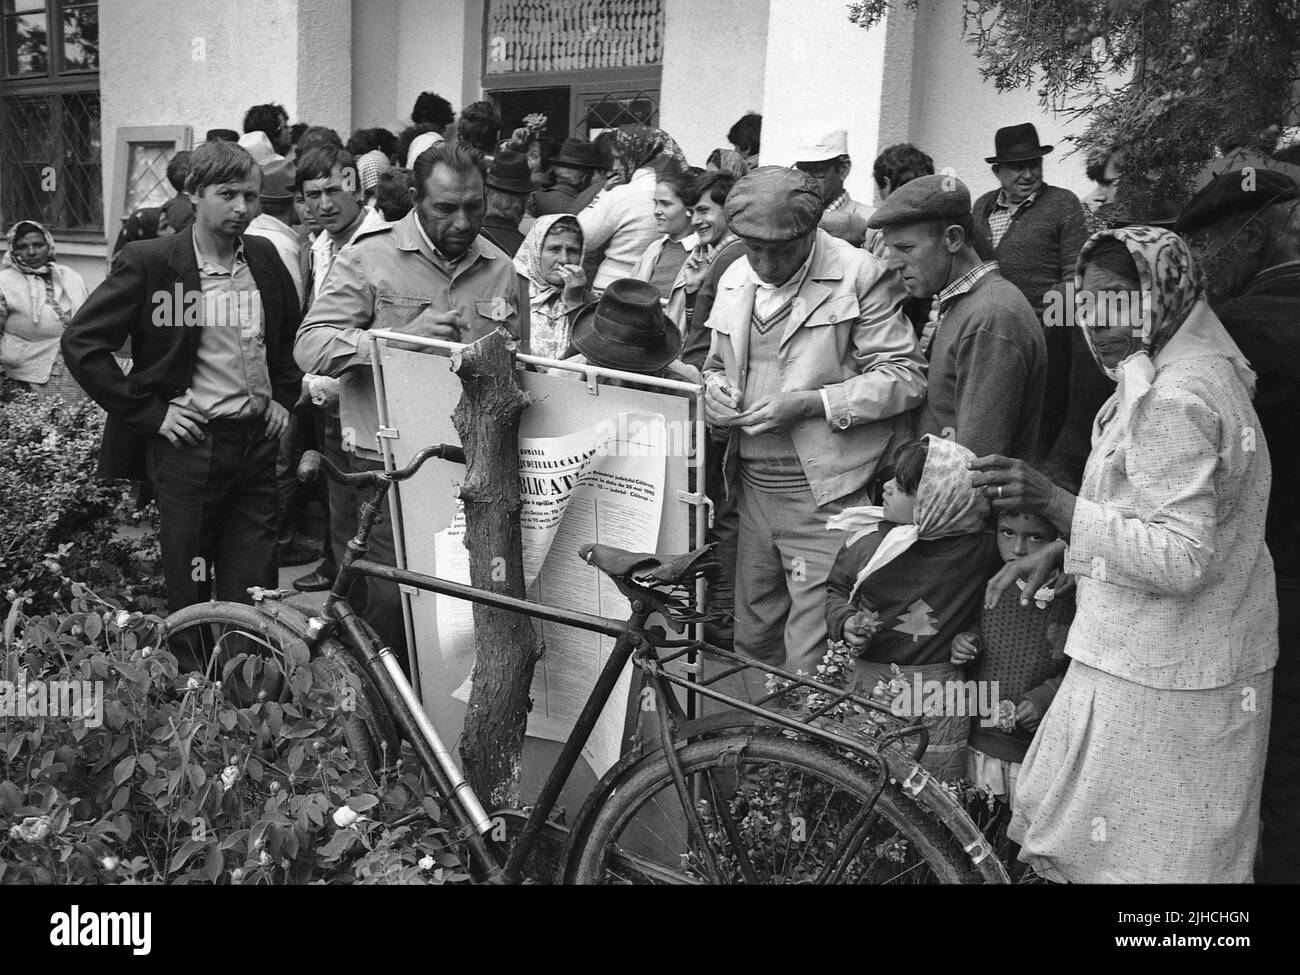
(813, 369)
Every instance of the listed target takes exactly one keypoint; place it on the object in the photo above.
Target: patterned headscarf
(730, 161)
(1176, 320)
(549, 334)
(946, 504)
(11, 258)
(644, 145)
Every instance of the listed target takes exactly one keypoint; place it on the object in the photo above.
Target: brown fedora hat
(1017, 143)
(627, 329)
(509, 172)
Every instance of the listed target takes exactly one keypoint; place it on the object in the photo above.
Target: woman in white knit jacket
(37, 300)
(1149, 764)
(621, 219)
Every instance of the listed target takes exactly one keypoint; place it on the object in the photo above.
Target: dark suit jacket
(123, 307)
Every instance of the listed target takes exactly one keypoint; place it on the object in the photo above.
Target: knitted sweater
(924, 597)
(988, 368)
(1024, 651)
(1039, 250)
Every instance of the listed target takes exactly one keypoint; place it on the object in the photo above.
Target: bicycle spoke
(723, 808)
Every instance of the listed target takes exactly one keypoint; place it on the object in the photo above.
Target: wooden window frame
(180, 136)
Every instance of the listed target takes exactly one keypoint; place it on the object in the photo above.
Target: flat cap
(774, 204)
(1244, 191)
(278, 177)
(937, 197)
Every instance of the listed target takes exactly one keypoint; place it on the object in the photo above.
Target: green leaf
(124, 770)
(215, 862)
(187, 850)
(93, 626)
(363, 802)
(296, 755)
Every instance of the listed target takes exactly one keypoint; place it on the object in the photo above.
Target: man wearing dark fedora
(812, 371)
(627, 330)
(1034, 232)
(572, 168)
(508, 182)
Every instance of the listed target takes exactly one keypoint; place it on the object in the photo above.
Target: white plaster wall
(426, 54)
(822, 70)
(324, 56)
(149, 74)
(955, 113)
(714, 62)
(375, 25)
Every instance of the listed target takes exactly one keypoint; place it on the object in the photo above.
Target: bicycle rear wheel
(772, 811)
(206, 637)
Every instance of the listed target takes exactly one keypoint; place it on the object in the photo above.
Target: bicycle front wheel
(770, 810)
(206, 637)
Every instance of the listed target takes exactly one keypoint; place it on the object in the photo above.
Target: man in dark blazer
(211, 315)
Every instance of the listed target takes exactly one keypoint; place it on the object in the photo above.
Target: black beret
(938, 197)
(774, 203)
(1244, 191)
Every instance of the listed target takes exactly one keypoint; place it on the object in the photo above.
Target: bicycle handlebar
(312, 462)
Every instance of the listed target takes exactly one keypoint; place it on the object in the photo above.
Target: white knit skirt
(1131, 784)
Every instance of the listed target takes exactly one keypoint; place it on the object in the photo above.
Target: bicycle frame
(633, 642)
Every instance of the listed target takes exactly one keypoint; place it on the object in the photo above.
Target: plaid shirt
(1003, 213)
(945, 298)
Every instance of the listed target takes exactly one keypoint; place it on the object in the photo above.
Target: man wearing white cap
(824, 155)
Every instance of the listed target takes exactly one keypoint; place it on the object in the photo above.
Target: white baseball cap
(818, 144)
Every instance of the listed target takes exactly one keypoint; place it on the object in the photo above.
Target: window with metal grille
(50, 164)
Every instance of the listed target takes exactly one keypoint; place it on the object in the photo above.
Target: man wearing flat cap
(1034, 231)
(1244, 228)
(812, 368)
(987, 356)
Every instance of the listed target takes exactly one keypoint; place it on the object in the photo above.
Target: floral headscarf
(730, 161)
(11, 258)
(549, 332)
(643, 145)
(1176, 320)
(946, 504)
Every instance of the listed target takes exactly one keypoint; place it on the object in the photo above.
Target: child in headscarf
(37, 300)
(551, 259)
(911, 577)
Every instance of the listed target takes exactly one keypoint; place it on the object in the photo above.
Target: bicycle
(757, 793)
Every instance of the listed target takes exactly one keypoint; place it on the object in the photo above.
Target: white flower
(426, 862)
(109, 863)
(229, 775)
(345, 816)
(264, 858)
(145, 651)
(192, 684)
(33, 829)
(236, 875)
(122, 618)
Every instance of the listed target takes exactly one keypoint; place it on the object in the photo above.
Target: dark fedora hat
(627, 329)
(221, 135)
(509, 172)
(1017, 143)
(577, 154)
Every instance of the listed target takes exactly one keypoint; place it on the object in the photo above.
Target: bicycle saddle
(658, 581)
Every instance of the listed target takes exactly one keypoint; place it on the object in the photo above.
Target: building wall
(708, 84)
(821, 70)
(324, 58)
(955, 113)
(375, 101)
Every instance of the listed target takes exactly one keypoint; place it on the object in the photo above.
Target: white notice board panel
(631, 445)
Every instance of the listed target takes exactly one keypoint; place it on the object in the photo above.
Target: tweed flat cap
(774, 204)
(1236, 192)
(937, 197)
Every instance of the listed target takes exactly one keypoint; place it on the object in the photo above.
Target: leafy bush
(180, 784)
(59, 521)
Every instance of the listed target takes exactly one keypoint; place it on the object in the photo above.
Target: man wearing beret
(1034, 231)
(988, 360)
(813, 369)
(1244, 228)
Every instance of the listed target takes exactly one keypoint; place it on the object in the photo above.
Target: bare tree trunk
(487, 419)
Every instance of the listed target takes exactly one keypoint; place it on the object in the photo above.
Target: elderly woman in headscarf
(551, 259)
(910, 578)
(1149, 764)
(621, 219)
(37, 300)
